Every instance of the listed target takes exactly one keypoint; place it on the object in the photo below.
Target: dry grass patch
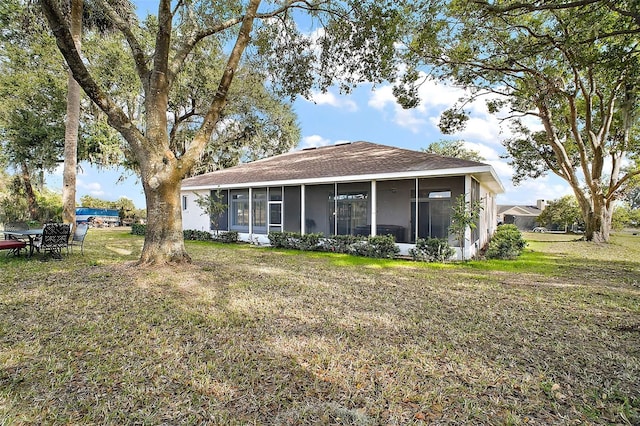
(259, 336)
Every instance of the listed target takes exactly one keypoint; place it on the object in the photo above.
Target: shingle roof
(349, 159)
(519, 210)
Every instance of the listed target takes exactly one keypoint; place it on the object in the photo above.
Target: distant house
(524, 217)
(357, 188)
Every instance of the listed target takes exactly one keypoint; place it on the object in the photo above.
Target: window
(184, 202)
(240, 210)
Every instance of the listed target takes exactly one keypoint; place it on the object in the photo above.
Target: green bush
(226, 237)
(379, 246)
(138, 229)
(195, 235)
(506, 243)
(340, 243)
(282, 239)
(432, 250)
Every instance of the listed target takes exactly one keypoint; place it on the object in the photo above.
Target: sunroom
(358, 188)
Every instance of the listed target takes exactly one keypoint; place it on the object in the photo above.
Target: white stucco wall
(192, 216)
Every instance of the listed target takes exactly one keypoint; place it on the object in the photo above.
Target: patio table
(29, 233)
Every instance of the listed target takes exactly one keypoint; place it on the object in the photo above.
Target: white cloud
(544, 188)
(313, 141)
(328, 98)
(436, 97)
(316, 141)
(405, 118)
(92, 188)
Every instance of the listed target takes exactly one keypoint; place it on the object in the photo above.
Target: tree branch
(138, 54)
(116, 117)
(220, 99)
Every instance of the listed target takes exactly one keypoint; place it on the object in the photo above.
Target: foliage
(432, 250)
(223, 237)
(138, 229)
(49, 206)
(13, 202)
(186, 60)
(507, 243)
(15, 207)
(563, 212)
(381, 246)
(32, 93)
(295, 240)
(463, 216)
(196, 235)
(378, 246)
(213, 206)
(571, 69)
(339, 243)
(226, 236)
(456, 149)
(625, 216)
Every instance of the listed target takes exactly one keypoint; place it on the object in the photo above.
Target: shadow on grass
(247, 336)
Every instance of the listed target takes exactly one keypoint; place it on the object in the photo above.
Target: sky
(367, 114)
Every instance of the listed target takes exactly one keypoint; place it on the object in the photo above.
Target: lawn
(249, 335)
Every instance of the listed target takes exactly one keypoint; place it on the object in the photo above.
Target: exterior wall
(488, 219)
(192, 215)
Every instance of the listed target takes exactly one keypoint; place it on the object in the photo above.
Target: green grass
(249, 335)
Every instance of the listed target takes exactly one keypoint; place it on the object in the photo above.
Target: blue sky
(369, 114)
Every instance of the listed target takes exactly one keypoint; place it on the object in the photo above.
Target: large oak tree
(572, 66)
(354, 42)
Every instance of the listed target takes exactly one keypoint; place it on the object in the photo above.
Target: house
(524, 217)
(358, 188)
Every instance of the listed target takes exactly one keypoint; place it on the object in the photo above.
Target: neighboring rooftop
(343, 160)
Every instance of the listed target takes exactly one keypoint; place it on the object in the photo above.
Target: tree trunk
(32, 201)
(164, 240)
(72, 125)
(597, 224)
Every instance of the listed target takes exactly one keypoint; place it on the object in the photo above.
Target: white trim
(303, 210)
(496, 186)
(374, 208)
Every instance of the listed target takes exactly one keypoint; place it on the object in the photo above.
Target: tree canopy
(563, 212)
(454, 149)
(564, 74)
(346, 42)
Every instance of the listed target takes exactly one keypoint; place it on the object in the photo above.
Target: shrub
(138, 229)
(195, 235)
(282, 239)
(309, 242)
(507, 243)
(432, 250)
(380, 246)
(340, 243)
(226, 237)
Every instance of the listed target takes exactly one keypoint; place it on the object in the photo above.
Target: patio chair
(55, 237)
(78, 237)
